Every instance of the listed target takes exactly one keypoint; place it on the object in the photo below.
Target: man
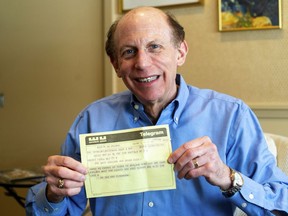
(219, 152)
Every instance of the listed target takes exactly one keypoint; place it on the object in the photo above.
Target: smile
(148, 79)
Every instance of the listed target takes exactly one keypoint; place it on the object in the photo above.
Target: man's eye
(154, 47)
(128, 52)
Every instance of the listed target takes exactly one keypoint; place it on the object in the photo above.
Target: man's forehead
(140, 15)
(142, 11)
(143, 34)
(143, 22)
(143, 26)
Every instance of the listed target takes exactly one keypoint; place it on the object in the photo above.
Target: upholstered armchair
(278, 145)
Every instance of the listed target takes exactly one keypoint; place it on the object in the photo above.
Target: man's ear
(115, 66)
(182, 53)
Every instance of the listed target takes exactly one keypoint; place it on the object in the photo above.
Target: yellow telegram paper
(127, 161)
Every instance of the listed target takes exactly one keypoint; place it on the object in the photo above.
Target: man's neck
(153, 112)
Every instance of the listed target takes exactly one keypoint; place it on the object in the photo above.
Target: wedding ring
(60, 183)
(195, 163)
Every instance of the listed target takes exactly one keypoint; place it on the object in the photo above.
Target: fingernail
(83, 178)
(170, 160)
(85, 171)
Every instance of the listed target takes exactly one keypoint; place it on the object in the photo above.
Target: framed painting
(130, 4)
(237, 15)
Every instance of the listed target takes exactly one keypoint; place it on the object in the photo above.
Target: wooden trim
(110, 78)
(271, 111)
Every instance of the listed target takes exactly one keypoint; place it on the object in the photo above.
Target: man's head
(146, 46)
(178, 34)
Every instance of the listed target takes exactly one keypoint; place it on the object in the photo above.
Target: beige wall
(251, 65)
(51, 66)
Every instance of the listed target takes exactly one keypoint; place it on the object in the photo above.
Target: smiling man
(147, 57)
(220, 155)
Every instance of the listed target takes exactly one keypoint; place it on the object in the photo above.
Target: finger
(187, 146)
(209, 165)
(56, 194)
(65, 167)
(68, 162)
(182, 173)
(63, 173)
(192, 153)
(67, 183)
(194, 173)
(193, 164)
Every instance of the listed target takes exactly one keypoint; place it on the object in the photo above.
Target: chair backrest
(278, 145)
(281, 144)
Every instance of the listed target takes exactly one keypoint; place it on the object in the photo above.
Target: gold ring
(195, 163)
(60, 183)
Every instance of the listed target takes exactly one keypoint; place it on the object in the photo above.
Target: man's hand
(64, 168)
(200, 157)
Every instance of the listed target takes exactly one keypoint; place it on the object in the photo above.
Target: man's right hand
(71, 171)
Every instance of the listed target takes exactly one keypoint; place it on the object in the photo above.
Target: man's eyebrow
(126, 47)
(155, 41)
(159, 42)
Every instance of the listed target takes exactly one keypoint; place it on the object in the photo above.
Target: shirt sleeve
(37, 203)
(265, 186)
(255, 199)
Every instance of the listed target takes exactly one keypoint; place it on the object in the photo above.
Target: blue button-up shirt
(194, 113)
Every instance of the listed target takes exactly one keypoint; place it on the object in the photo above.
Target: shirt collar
(179, 101)
(181, 98)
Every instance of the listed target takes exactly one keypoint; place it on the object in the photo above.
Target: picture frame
(238, 15)
(130, 4)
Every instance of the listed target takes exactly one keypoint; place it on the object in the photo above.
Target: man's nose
(143, 59)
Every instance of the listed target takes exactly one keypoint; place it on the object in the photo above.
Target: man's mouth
(147, 79)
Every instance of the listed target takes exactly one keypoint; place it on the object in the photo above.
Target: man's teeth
(148, 79)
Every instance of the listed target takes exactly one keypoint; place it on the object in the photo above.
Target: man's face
(146, 57)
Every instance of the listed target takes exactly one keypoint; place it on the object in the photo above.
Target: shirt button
(135, 118)
(136, 106)
(46, 209)
(151, 204)
(244, 205)
(251, 196)
(176, 119)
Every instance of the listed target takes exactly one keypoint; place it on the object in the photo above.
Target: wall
(251, 65)
(51, 66)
